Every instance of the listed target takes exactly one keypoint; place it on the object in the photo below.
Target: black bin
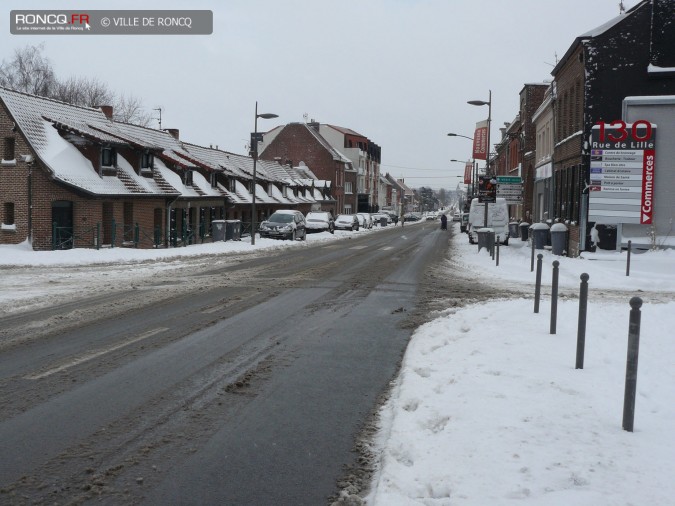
(558, 238)
(540, 233)
(524, 228)
(218, 230)
(233, 230)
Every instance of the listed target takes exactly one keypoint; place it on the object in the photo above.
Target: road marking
(95, 354)
(214, 309)
(358, 247)
(386, 248)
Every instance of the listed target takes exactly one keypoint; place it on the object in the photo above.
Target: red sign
(468, 171)
(647, 206)
(480, 141)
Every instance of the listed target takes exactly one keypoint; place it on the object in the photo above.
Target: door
(62, 223)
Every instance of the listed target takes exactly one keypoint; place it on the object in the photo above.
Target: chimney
(174, 133)
(313, 124)
(107, 110)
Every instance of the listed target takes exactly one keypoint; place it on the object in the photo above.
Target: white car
(320, 221)
(347, 222)
(365, 220)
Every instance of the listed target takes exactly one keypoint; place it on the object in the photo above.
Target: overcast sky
(397, 71)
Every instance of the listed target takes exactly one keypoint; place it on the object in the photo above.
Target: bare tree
(31, 72)
(28, 71)
(83, 91)
(129, 109)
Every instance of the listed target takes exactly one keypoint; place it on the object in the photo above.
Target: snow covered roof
(49, 125)
(42, 120)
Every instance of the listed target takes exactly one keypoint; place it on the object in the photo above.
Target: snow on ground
(488, 407)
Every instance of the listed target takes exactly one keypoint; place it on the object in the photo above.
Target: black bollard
(632, 364)
(554, 297)
(497, 262)
(532, 256)
(537, 286)
(628, 260)
(581, 330)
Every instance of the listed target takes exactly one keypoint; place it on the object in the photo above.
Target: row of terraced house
(73, 177)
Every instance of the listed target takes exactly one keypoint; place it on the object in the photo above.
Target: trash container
(383, 221)
(558, 239)
(233, 230)
(514, 231)
(486, 238)
(524, 227)
(540, 233)
(218, 230)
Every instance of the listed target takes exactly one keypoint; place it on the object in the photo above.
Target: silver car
(320, 221)
(347, 222)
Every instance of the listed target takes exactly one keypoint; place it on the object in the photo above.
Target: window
(232, 185)
(188, 177)
(8, 215)
(214, 180)
(348, 187)
(108, 157)
(8, 151)
(147, 160)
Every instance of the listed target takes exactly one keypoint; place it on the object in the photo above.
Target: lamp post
(487, 149)
(460, 135)
(254, 148)
(474, 172)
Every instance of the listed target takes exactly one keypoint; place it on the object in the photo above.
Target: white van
(498, 219)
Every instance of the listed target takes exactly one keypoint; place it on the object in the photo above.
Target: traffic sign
(509, 180)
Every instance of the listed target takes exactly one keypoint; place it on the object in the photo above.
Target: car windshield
(345, 217)
(281, 218)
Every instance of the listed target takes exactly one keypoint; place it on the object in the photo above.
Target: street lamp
(487, 150)
(474, 171)
(460, 135)
(254, 148)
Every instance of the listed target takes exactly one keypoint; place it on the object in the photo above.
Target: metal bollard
(632, 364)
(554, 297)
(537, 286)
(628, 259)
(532, 256)
(583, 311)
(497, 251)
(492, 249)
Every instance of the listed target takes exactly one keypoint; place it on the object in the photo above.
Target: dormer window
(188, 178)
(270, 189)
(147, 160)
(214, 180)
(232, 185)
(108, 157)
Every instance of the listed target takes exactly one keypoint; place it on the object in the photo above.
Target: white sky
(398, 71)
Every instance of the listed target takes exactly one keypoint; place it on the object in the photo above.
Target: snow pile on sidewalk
(489, 408)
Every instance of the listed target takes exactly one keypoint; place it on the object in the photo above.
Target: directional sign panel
(510, 188)
(622, 173)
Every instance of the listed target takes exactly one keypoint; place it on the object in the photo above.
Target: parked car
(346, 222)
(378, 216)
(284, 224)
(365, 220)
(320, 221)
(412, 217)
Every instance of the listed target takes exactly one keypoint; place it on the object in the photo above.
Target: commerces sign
(621, 186)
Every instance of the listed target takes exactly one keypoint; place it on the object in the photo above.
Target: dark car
(284, 224)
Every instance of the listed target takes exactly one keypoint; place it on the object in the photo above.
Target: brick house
(365, 156)
(302, 142)
(630, 55)
(72, 177)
